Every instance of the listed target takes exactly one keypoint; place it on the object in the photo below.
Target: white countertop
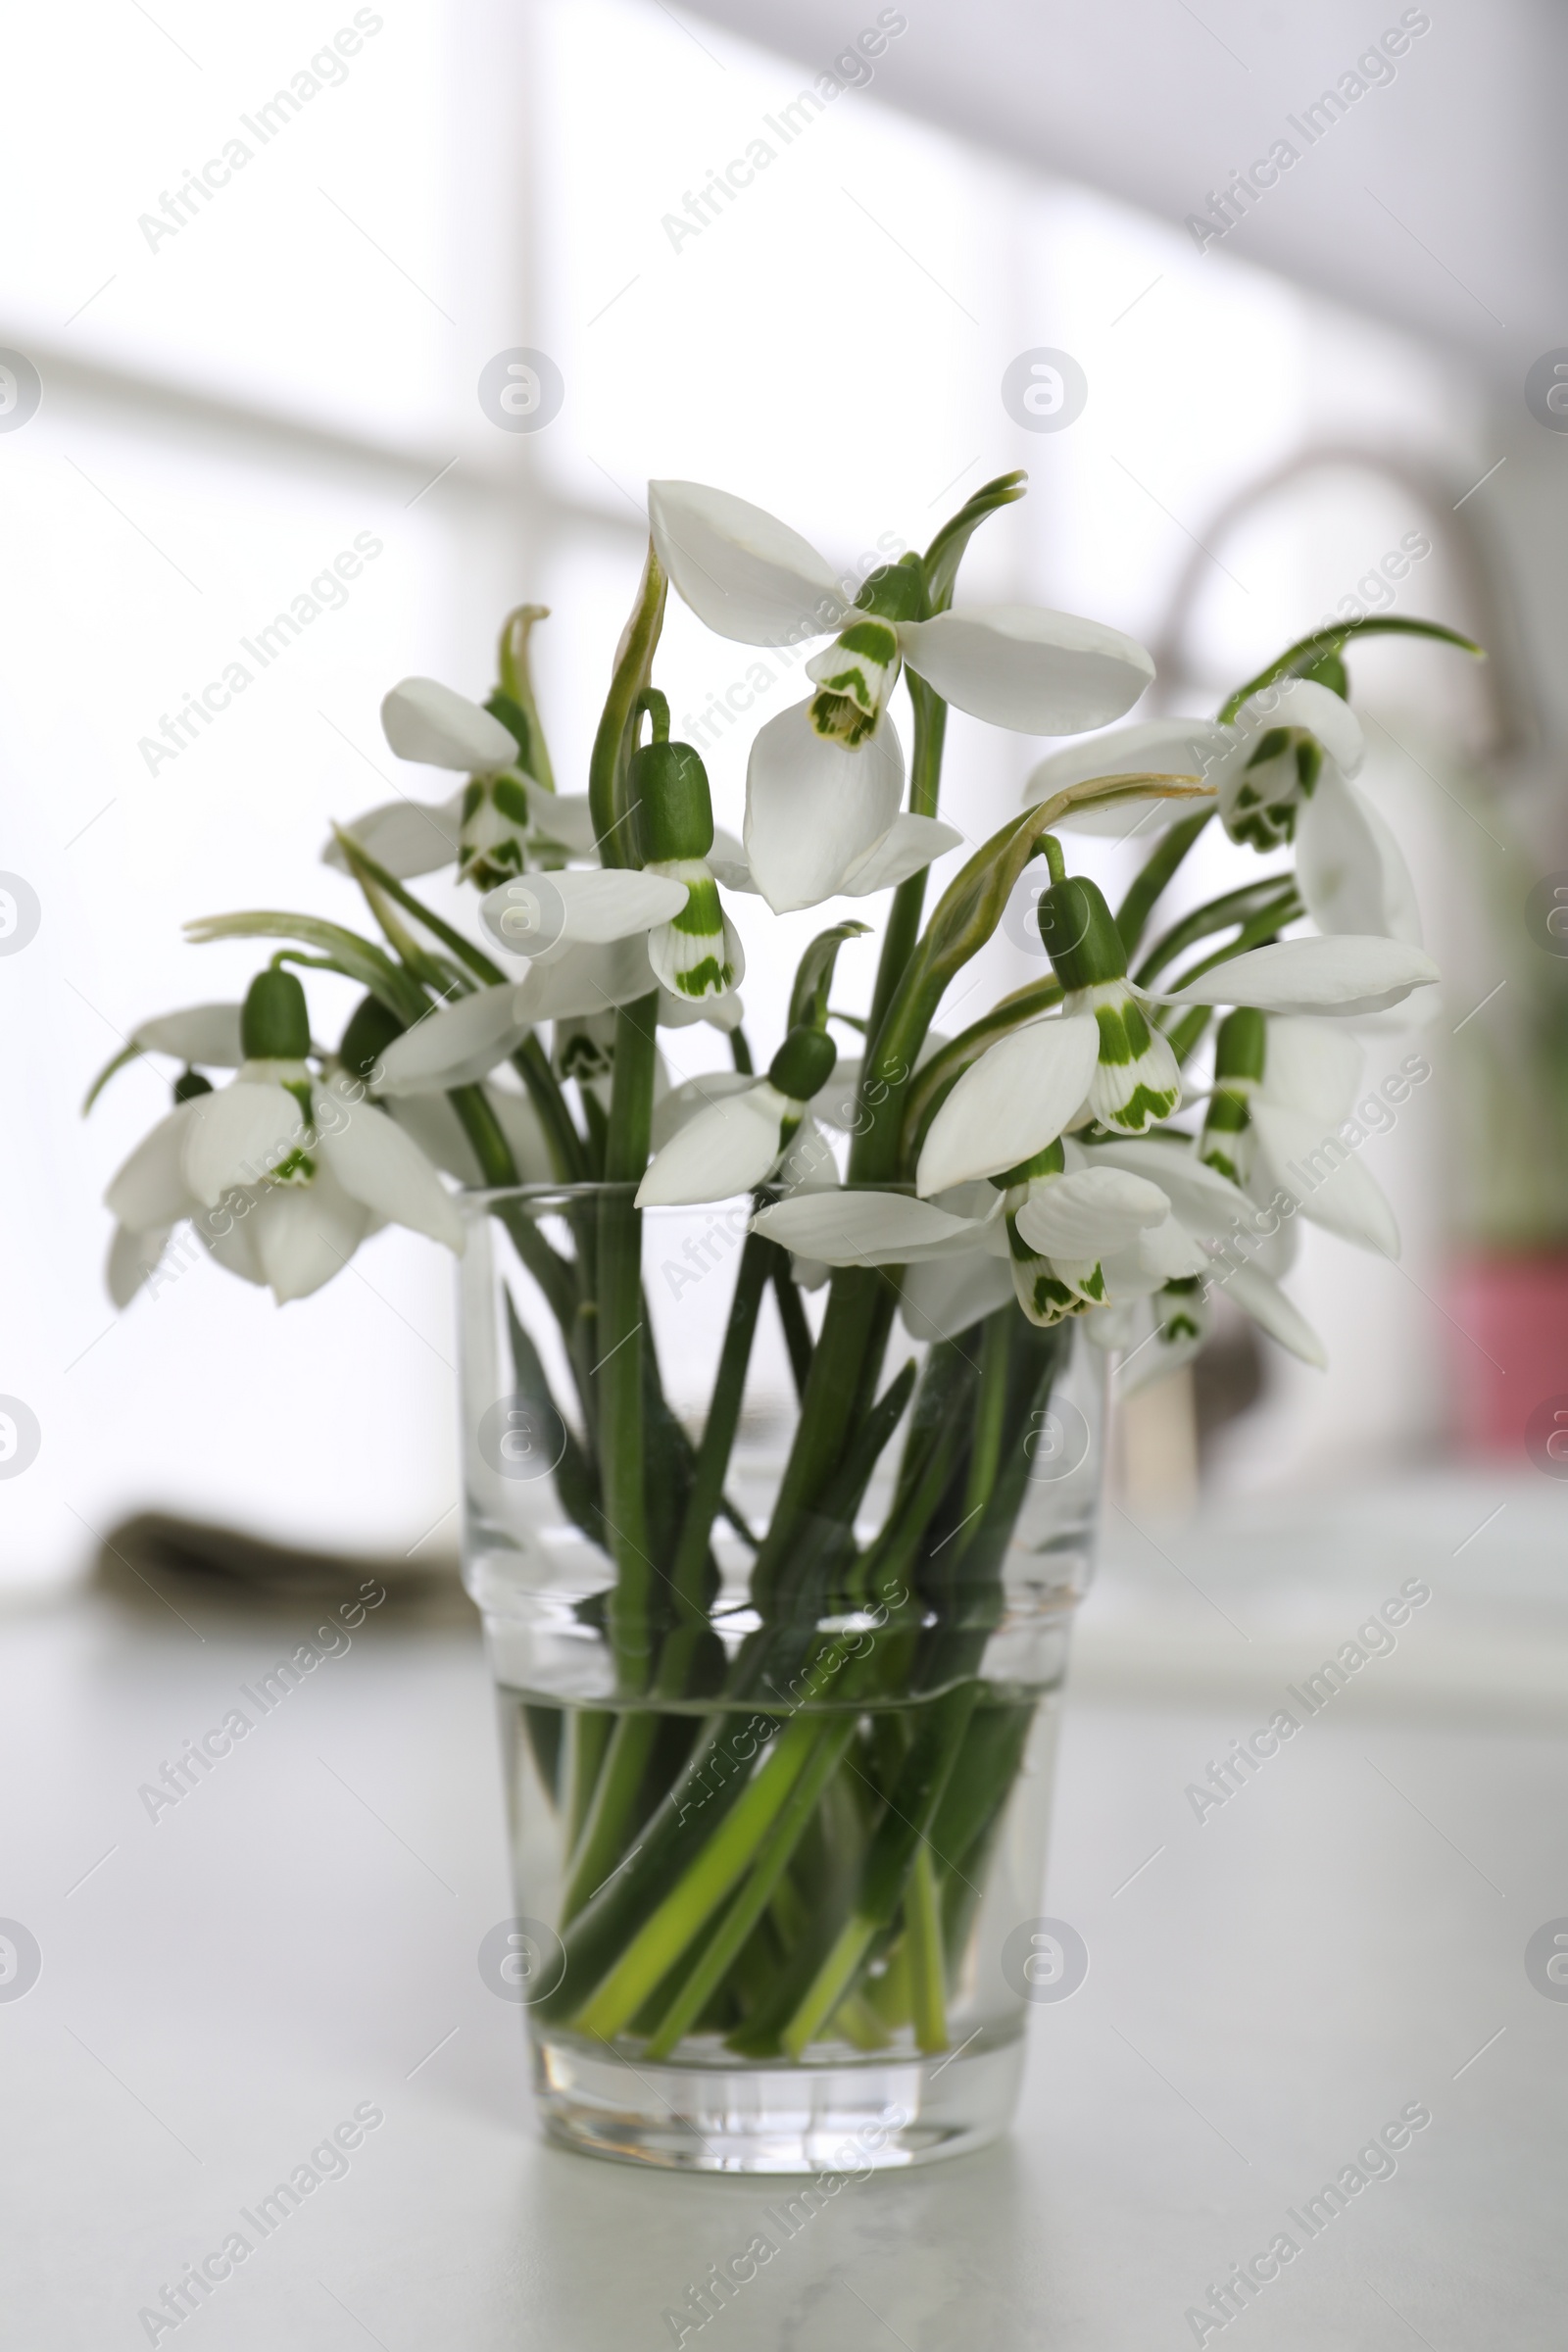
(224, 1986)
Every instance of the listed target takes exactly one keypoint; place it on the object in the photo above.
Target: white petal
(1349, 867)
(867, 1228)
(1347, 975)
(725, 1149)
(563, 817)
(908, 848)
(375, 1161)
(1019, 666)
(944, 1298)
(236, 1136)
(574, 979)
(1091, 1213)
(1016, 1098)
(303, 1234)
(1169, 1251)
(812, 808)
(743, 573)
(204, 1034)
(807, 1164)
(1155, 747)
(229, 1232)
(132, 1256)
(1313, 1066)
(1327, 1177)
(682, 1104)
(439, 1134)
(1257, 1296)
(407, 836)
(1205, 1201)
(725, 1014)
(1303, 703)
(457, 1045)
(587, 908)
(150, 1189)
(424, 720)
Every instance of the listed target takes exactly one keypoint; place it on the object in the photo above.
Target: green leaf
(357, 958)
(616, 739)
(575, 1482)
(117, 1061)
(365, 870)
(814, 976)
(1307, 651)
(947, 550)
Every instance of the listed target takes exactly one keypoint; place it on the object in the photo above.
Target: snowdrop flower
(673, 900)
(1236, 1237)
(1284, 1092)
(1103, 1045)
(1094, 1237)
(826, 778)
(1283, 772)
(291, 1169)
(497, 819)
(737, 1137)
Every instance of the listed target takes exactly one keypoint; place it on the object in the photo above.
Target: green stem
(618, 1372)
(653, 1950)
(923, 1920)
(791, 1314)
(1132, 916)
(718, 1434)
(772, 1860)
(990, 1406)
(909, 899)
(1233, 907)
(565, 1144)
(903, 1826)
(603, 1830)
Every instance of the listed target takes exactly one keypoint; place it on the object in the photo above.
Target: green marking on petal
(1142, 1109)
(841, 721)
(1115, 1047)
(710, 978)
(297, 1168)
(512, 799)
(700, 917)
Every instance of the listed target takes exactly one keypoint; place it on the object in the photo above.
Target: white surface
(299, 1934)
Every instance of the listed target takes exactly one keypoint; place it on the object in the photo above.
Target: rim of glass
(476, 1200)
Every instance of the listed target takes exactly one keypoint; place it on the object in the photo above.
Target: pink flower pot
(1512, 1311)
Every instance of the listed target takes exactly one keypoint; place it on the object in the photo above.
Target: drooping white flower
(1234, 1234)
(491, 826)
(1283, 771)
(305, 1163)
(1278, 1121)
(736, 1140)
(812, 818)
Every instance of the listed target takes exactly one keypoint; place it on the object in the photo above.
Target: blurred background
(257, 314)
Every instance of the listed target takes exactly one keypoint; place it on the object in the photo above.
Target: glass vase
(777, 1585)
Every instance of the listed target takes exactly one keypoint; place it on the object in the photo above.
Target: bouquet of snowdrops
(1060, 1164)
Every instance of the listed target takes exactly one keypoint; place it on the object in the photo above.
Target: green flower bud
(802, 1065)
(1080, 934)
(370, 1030)
(667, 784)
(895, 591)
(190, 1084)
(275, 1024)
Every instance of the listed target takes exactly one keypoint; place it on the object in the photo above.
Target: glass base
(876, 2115)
